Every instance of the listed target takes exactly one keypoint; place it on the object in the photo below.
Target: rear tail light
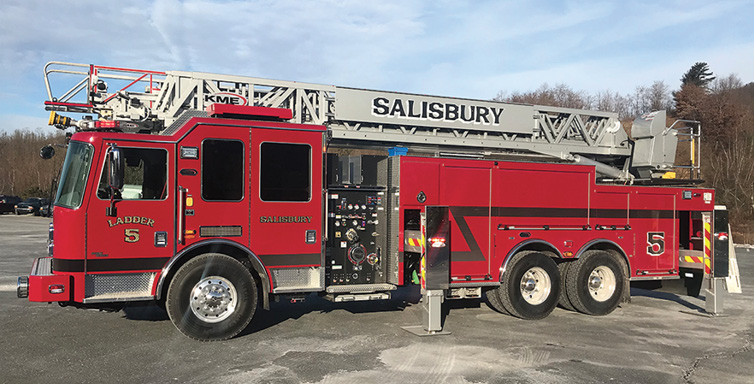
(437, 242)
(56, 288)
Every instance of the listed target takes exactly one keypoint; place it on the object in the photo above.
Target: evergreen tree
(699, 75)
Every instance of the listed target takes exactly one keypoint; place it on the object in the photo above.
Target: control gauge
(373, 259)
(357, 253)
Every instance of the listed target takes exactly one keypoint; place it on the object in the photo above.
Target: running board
(348, 297)
(360, 288)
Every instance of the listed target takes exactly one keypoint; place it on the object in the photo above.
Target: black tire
(493, 300)
(215, 274)
(563, 300)
(606, 274)
(543, 281)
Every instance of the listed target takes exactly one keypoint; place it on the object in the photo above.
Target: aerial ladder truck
(214, 195)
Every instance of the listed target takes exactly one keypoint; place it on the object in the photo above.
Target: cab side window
(145, 176)
(285, 173)
(222, 170)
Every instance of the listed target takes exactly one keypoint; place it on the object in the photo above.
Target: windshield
(74, 173)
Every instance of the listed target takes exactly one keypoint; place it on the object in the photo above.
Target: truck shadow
(284, 309)
(669, 296)
(145, 311)
(401, 299)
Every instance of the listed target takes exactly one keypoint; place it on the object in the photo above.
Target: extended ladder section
(152, 101)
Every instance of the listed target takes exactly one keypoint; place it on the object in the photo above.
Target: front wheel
(595, 283)
(530, 286)
(212, 297)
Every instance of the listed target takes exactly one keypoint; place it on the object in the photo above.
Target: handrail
(695, 141)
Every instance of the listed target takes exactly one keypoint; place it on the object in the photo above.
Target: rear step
(360, 288)
(358, 292)
(346, 297)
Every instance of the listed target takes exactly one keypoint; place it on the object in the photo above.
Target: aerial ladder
(159, 102)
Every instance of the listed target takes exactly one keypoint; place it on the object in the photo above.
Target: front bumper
(42, 285)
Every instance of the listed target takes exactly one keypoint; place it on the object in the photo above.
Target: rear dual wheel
(531, 286)
(563, 300)
(595, 283)
(212, 297)
(493, 300)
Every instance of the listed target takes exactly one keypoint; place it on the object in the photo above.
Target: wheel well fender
(226, 247)
(535, 245)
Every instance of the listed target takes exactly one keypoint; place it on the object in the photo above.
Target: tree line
(22, 171)
(655, 97)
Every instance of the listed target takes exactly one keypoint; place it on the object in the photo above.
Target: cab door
(213, 177)
(127, 248)
(286, 206)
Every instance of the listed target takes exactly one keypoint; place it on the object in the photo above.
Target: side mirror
(117, 166)
(115, 176)
(47, 152)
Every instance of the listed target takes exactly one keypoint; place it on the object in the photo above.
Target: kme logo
(225, 98)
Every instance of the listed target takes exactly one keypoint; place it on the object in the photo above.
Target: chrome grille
(221, 231)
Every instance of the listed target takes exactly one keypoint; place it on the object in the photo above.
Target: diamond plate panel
(185, 116)
(295, 278)
(120, 285)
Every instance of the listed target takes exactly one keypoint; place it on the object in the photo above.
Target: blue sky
(470, 49)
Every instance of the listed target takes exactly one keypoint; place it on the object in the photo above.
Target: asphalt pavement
(659, 337)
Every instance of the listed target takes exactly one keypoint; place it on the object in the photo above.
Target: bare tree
(727, 83)
(23, 172)
(559, 96)
(613, 102)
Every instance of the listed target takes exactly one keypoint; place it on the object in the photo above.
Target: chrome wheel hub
(535, 286)
(213, 299)
(601, 283)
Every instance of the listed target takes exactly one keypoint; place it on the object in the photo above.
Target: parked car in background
(46, 210)
(30, 205)
(8, 203)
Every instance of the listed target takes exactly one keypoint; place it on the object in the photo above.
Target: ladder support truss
(157, 99)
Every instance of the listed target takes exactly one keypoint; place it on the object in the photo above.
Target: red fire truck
(213, 195)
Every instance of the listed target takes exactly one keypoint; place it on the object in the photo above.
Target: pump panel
(354, 251)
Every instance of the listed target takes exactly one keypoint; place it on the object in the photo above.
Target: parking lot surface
(658, 338)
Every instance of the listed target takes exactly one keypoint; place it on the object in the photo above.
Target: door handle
(181, 214)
